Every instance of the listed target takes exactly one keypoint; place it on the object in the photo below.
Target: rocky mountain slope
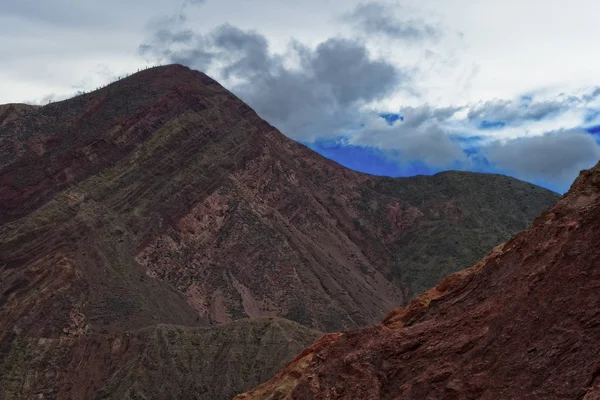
(9, 112)
(162, 198)
(523, 323)
(158, 362)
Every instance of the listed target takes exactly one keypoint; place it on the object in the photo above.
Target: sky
(392, 88)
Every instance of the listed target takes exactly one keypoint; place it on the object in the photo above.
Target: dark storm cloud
(378, 18)
(324, 95)
(170, 41)
(319, 96)
(345, 65)
(555, 157)
(245, 52)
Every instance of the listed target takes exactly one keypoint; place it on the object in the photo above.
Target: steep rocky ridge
(522, 323)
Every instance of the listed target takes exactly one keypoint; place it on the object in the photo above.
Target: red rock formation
(523, 323)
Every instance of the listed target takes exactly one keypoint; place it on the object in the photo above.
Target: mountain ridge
(163, 178)
(521, 323)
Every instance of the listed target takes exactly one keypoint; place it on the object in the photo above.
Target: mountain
(523, 323)
(158, 362)
(9, 112)
(164, 199)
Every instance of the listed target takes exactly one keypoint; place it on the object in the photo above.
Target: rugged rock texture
(160, 362)
(162, 198)
(9, 112)
(523, 323)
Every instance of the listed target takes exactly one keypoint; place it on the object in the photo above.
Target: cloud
(245, 53)
(420, 136)
(353, 76)
(324, 96)
(499, 113)
(58, 13)
(306, 92)
(591, 115)
(330, 92)
(437, 139)
(170, 41)
(377, 18)
(555, 157)
(35, 17)
(592, 96)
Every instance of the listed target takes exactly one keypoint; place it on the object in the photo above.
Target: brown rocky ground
(9, 112)
(159, 362)
(523, 323)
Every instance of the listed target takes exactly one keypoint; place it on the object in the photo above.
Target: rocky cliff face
(522, 323)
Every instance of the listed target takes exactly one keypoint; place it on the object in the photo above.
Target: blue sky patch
(593, 130)
(591, 115)
(391, 118)
(369, 160)
(466, 139)
(489, 125)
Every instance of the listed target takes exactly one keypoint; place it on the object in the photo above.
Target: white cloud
(507, 47)
(422, 136)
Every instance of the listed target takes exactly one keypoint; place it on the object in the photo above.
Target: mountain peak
(159, 88)
(168, 77)
(73, 138)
